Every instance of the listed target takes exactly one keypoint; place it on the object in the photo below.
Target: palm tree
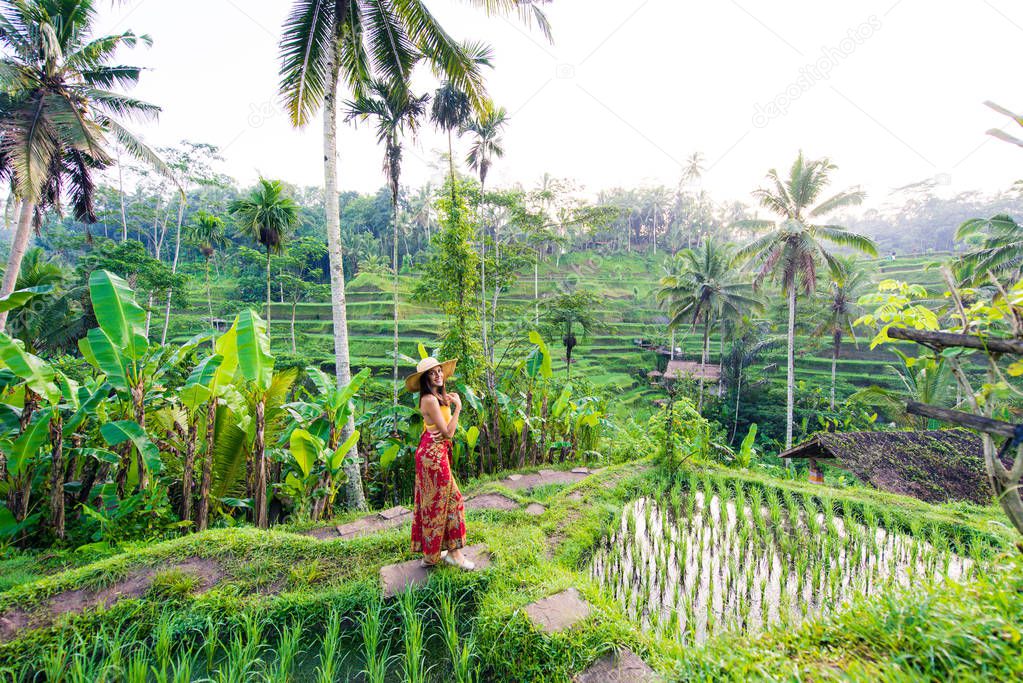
(848, 281)
(207, 234)
(487, 145)
(325, 42)
(1000, 250)
(703, 288)
(694, 168)
(268, 217)
(795, 247)
(451, 111)
(57, 111)
(926, 379)
(396, 111)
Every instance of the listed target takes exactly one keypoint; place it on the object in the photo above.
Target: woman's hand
(455, 399)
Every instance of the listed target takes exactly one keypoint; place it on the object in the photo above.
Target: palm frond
(305, 50)
(838, 201)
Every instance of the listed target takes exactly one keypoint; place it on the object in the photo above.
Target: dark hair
(427, 387)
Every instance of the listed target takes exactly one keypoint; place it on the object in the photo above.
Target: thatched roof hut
(936, 466)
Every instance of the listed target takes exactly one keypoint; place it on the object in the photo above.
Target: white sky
(630, 89)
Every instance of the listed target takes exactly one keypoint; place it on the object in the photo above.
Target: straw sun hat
(425, 365)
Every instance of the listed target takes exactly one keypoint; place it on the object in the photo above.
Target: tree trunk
(394, 265)
(268, 300)
(187, 470)
(120, 194)
(703, 357)
(57, 474)
(536, 289)
(259, 452)
(209, 303)
(790, 388)
(353, 489)
(738, 393)
(834, 363)
(671, 355)
(294, 305)
(18, 246)
(174, 268)
(138, 403)
(203, 512)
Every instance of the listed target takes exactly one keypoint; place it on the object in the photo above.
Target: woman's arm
(431, 412)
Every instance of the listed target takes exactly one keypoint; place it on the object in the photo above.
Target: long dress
(438, 519)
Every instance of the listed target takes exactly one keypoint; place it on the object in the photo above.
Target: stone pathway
(395, 578)
(545, 477)
(385, 519)
(491, 501)
(535, 509)
(624, 666)
(559, 611)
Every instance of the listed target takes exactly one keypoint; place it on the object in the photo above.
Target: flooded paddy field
(723, 555)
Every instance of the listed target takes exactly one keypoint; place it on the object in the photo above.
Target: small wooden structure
(678, 369)
(936, 466)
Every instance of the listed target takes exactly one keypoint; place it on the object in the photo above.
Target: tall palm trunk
(394, 265)
(188, 467)
(483, 285)
(353, 488)
(268, 300)
(451, 165)
(536, 288)
(294, 306)
(703, 358)
(174, 268)
(834, 362)
(790, 388)
(209, 304)
(18, 246)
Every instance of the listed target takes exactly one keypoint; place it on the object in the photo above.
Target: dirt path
(208, 572)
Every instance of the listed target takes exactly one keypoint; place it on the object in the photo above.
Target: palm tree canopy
(451, 107)
(702, 285)
(795, 247)
(397, 112)
(207, 233)
(1000, 250)
(267, 215)
(487, 143)
(381, 40)
(59, 107)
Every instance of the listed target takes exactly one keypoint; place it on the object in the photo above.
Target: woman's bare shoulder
(429, 400)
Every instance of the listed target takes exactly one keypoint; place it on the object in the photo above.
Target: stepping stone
(581, 470)
(535, 509)
(547, 473)
(625, 666)
(394, 578)
(514, 477)
(491, 501)
(394, 513)
(559, 611)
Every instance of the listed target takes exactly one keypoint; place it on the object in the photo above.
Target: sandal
(466, 564)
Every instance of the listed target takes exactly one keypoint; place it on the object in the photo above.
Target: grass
(471, 626)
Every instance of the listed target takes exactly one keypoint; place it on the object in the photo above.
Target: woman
(438, 521)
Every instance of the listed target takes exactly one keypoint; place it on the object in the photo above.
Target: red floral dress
(438, 518)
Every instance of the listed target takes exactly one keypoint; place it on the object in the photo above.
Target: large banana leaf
(338, 458)
(87, 404)
(129, 430)
(341, 406)
(227, 348)
(27, 445)
(197, 387)
(20, 297)
(33, 370)
(106, 356)
(254, 359)
(118, 314)
(305, 449)
(539, 358)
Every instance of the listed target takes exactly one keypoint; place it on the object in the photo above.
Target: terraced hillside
(608, 356)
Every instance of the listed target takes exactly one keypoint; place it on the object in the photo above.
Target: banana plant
(120, 350)
(316, 472)
(324, 415)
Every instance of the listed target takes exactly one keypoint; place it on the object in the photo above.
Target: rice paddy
(722, 555)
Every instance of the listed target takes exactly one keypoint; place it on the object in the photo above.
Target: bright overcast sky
(892, 91)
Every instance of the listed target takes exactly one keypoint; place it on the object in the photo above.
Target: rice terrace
(510, 340)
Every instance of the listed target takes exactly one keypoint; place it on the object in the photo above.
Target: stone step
(385, 519)
(545, 477)
(623, 666)
(559, 611)
(491, 501)
(394, 578)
